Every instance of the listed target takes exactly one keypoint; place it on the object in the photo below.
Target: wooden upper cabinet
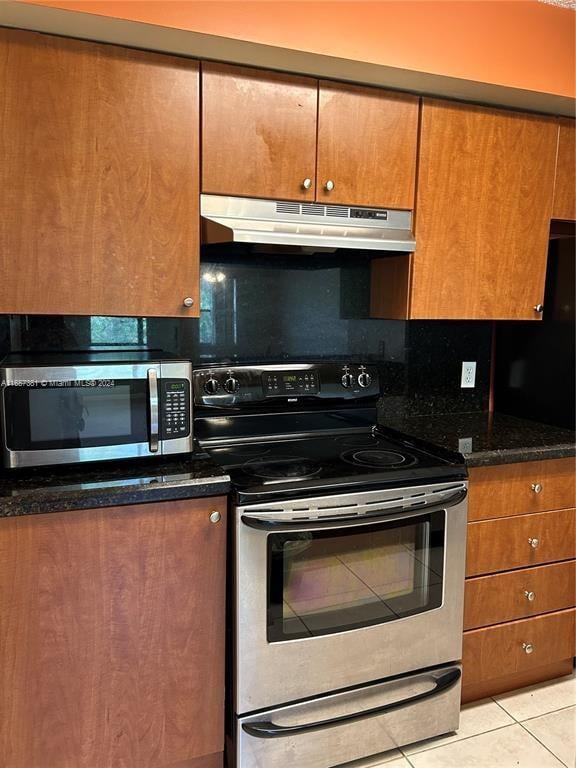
(484, 201)
(99, 177)
(565, 186)
(258, 133)
(367, 141)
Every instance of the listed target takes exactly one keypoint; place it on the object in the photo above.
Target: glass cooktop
(300, 465)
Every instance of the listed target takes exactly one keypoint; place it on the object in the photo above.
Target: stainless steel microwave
(64, 409)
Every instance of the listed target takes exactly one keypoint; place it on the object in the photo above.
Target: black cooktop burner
(378, 459)
(303, 464)
(282, 467)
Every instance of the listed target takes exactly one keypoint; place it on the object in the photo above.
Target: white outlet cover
(468, 379)
(465, 445)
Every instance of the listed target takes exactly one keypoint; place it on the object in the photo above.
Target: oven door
(68, 414)
(339, 591)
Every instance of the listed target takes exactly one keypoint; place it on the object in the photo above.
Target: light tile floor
(533, 727)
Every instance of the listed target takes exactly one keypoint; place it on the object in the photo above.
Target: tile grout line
(545, 714)
(534, 717)
(544, 745)
(457, 741)
(504, 710)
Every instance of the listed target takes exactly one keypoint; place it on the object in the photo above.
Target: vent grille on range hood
(307, 225)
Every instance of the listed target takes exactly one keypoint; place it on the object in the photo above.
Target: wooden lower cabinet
(517, 542)
(516, 648)
(519, 594)
(112, 637)
(517, 489)
(206, 761)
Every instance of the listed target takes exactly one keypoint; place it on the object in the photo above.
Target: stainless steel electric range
(348, 566)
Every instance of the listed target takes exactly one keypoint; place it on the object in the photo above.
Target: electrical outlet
(465, 444)
(468, 380)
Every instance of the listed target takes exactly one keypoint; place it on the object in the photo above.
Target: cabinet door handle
(539, 308)
(529, 595)
(215, 516)
(537, 487)
(329, 186)
(307, 183)
(528, 647)
(188, 301)
(534, 543)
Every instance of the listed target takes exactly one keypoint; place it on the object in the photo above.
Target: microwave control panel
(175, 408)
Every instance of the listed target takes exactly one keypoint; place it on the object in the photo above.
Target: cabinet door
(500, 651)
(485, 186)
(519, 594)
(113, 624)
(367, 141)
(258, 133)
(565, 186)
(99, 179)
(504, 490)
(520, 541)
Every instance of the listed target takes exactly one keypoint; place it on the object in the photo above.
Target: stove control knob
(347, 380)
(364, 379)
(211, 386)
(231, 385)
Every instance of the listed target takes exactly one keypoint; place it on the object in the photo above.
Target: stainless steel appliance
(312, 226)
(349, 545)
(67, 408)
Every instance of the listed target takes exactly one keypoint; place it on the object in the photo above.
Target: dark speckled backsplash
(280, 308)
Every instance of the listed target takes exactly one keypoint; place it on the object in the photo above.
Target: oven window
(48, 418)
(321, 582)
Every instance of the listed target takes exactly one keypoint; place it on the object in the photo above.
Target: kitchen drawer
(518, 646)
(333, 730)
(518, 594)
(521, 541)
(516, 489)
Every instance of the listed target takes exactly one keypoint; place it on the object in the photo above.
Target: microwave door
(79, 414)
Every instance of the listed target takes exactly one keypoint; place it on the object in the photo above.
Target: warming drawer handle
(153, 403)
(351, 520)
(265, 729)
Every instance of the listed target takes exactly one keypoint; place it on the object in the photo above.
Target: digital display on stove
(288, 383)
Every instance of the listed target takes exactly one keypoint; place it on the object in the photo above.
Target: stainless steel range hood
(311, 226)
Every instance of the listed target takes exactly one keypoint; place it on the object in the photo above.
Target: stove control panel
(244, 385)
(290, 383)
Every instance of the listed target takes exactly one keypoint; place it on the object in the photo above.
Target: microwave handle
(153, 403)
(265, 729)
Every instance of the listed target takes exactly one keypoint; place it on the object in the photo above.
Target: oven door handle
(153, 406)
(351, 520)
(265, 729)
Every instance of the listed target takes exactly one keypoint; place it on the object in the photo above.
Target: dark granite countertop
(57, 489)
(484, 438)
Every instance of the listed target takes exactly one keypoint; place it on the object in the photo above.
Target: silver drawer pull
(529, 596)
(215, 517)
(534, 543)
(537, 487)
(528, 647)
